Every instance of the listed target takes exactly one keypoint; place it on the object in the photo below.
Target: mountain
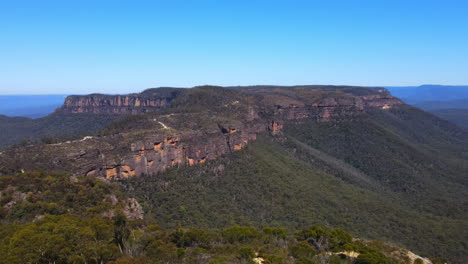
(425, 93)
(436, 105)
(199, 124)
(50, 129)
(55, 218)
(455, 115)
(338, 156)
(447, 102)
(32, 106)
(73, 118)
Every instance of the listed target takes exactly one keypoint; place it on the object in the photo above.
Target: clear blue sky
(126, 46)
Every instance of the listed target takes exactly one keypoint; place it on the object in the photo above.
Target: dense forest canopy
(69, 226)
(259, 174)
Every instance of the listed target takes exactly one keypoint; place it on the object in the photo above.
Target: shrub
(372, 256)
(246, 253)
(279, 233)
(240, 234)
(302, 250)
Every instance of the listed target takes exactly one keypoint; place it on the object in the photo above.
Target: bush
(192, 238)
(372, 256)
(302, 250)
(240, 234)
(278, 233)
(162, 251)
(418, 261)
(246, 253)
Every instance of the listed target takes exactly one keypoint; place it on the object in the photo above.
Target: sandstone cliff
(148, 101)
(155, 142)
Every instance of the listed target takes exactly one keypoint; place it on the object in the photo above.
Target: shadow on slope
(264, 185)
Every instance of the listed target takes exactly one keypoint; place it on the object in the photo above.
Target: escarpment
(149, 101)
(180, 137)
(329, 108)
(118, 157)
(155, 153)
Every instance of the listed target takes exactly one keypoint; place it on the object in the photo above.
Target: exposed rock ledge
(119, 157)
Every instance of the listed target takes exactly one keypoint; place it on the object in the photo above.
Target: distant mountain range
(429, 93)
(32, 106)
(447, 102)
(427, 97)
(210, 157)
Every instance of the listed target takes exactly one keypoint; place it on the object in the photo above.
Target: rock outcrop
(329, 108)
(129, 207)
(157, 146)
(148, 101)
(156, 153)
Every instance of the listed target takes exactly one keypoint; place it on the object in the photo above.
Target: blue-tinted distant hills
(426, 93)
(32, 106)
(447, 102)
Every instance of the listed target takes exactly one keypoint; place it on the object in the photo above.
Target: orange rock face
(157, 146)
(153, 154)
(172, 140)
(91, 173)
(129, 104)
(125, 171)
(111, 173)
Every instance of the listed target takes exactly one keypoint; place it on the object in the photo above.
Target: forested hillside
(53, 218)
(447, 102)
(266, 184)
(456, 116)
(203, 161)
(50, 129)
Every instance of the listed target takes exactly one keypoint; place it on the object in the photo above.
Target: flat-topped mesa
(148, 101)
(332, 108)
(134, 152)
(321, 103)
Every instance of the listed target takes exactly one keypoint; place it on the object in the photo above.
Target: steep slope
(447, 102)
(201, 124)
(450, 104)
(350, 157)
(405, 150)
(263, 184)
(81, 116)
(51, 129)
(456, 116)
(146, 101)
(56, 218)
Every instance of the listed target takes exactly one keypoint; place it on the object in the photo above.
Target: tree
(302, 250)
(121, 231)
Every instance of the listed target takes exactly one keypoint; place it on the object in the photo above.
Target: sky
(78, 47)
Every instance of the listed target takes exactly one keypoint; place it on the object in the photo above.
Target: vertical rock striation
(154, 149)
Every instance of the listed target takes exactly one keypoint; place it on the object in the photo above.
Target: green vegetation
(77, 231)
(29, 196)
(456, 116)
(397, 175)
(263, 185)
(405, 153)
(69, 239)
(50, 129)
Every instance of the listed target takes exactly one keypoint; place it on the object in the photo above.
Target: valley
(211, 157)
